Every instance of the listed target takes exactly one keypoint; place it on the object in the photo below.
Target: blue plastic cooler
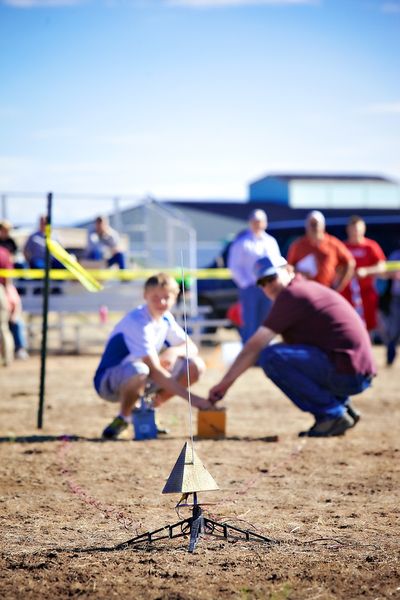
(144, 421)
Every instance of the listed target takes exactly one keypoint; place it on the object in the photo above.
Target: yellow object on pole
(86, 278)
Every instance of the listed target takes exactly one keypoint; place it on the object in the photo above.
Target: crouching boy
(147, 351)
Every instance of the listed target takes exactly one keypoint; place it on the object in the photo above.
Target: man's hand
(201, 403)
(217, 392)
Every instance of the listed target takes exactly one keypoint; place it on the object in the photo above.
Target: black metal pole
(45, 315)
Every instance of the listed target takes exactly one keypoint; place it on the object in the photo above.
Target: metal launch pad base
(195, 526)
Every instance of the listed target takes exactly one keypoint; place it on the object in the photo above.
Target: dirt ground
(68, 499)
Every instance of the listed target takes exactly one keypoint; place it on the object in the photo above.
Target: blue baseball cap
(265, 267)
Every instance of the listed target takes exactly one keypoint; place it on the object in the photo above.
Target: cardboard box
(211, 424)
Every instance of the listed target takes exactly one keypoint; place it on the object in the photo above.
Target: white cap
(316, 215)
(258, 215)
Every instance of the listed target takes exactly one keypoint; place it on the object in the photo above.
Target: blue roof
(287, 177)
(281, 215)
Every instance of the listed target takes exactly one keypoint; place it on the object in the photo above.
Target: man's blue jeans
(307, 376)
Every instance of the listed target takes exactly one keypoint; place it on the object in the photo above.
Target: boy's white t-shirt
(138, 335)
(143, 335)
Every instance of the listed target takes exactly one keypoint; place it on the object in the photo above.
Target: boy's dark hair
(162, 280)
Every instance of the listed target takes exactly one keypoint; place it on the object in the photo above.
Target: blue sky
(193, 98)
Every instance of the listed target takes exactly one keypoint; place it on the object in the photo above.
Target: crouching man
(147, 350)
(326, 354)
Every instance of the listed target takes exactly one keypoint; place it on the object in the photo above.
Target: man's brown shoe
(329, 427)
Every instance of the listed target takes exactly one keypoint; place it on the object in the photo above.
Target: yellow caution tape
(132, 274)
(114, 275)
(392, 265)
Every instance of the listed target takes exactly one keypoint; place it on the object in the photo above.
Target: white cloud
(391, 7)
(383, 108)
(222, 3)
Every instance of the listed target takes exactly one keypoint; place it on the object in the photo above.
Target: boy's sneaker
(113, 430)
(161, 430)
(353, 412)
(330, 427)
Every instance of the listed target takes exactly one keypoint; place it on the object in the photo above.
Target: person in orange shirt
(360, 291)
(320, 256)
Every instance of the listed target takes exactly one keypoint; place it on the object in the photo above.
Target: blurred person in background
(320, 256)
(392, 319)
(104, 244)
(11, 315)
(6, 340)
(6, 241)
(369, 258)
(16, 323)
(35, 248)
(246, 249)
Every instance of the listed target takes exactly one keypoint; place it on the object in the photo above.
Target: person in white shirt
(148, 348)
(104, 243)
(247, 248)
